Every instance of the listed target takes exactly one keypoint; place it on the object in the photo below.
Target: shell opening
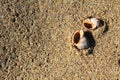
(76, 37)
(88, 25)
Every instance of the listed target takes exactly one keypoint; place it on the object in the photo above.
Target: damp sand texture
(35, 40)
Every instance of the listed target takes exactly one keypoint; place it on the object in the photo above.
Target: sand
(35, 40)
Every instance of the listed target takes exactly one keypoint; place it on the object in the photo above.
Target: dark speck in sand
(16, 14)
(13, 20)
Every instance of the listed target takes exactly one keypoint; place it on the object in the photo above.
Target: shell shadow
(105, 25)
(106, 28)
(102, 23)
(91, 41)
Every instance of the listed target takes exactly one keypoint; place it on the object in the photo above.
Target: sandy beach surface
(35, 40)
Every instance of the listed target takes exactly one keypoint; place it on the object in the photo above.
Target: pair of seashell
(78, 39)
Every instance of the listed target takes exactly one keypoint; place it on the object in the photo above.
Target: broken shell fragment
(91, 23)
(79, 40)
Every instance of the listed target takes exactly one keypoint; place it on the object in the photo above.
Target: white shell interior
(95, 22)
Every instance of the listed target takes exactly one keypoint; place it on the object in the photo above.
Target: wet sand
(35, 40)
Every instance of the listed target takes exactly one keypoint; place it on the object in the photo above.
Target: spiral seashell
(79, 40)
(91, 23)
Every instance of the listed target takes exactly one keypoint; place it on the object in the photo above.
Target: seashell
(79, 40)
(91, 23)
